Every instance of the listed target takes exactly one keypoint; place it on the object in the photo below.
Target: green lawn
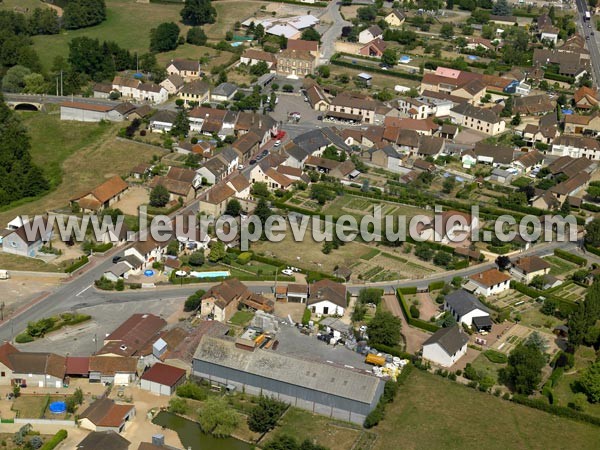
(484, 365)
(241, 318)
(370, 254)
(29, 4)
(559, 266)
(434, 413)
(128, 23)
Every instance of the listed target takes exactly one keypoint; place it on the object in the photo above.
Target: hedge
(410, 290)
(570, 257)
(375, 416)
(594, 250)
(590, 207)
(462, 264)
(77, 264)
(436, 285)
(495, 356)
(244, 258)
(427, 326)
(392, 73)
(101, 248)
(23, 338)
(306, 316)
(561, 411)
(391, 350)
(558, 77)
(60, 436)
(566, 307)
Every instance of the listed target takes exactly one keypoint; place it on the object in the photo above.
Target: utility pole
(61, 83)
(2, 305)
(57, 86)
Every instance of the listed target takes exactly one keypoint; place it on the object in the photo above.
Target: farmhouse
(30, 368)
(106, 415)
(133, 335)
(252, 56)
(221, 302)
(173, 83)
(576, 147)
(464, 306)
(103, 196)
(162, 379)
(446, 346)
(317, 387)
(214, 200)
(187, 69)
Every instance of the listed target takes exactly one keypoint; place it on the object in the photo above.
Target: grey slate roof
(105, 440)
(225, 89)
(164, 115)
(451, 339)
(463, 302)
(272, 365)
(311, 140)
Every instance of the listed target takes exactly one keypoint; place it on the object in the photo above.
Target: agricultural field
(571, 291)
(228, 13)
(359, 206)
(127, 23)
(432, 412)
(76, 157)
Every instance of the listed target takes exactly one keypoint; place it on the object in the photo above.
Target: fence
(62, 423)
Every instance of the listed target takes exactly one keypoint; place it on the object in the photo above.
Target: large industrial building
(322, 388)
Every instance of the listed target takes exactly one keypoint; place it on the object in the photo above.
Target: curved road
(334, 32)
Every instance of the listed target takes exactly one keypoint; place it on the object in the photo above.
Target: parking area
(87, 337)
(290, 103)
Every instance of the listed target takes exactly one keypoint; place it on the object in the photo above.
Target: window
(2, 374)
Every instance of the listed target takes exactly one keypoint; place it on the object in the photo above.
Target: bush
(414, 311)
(306, 316)
(192, 390)
(264, 416)
(244, 258)
(77, 264)
(23, 338)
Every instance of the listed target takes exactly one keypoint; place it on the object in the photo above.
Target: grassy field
(77, 157)
(559, 266)
(241, 318)
(323, 431)
(432, 412)
(215, 57)
(128, 23)
(228, 13)
(29, 4)
(15, 262)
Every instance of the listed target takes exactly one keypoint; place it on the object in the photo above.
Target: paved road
(591, 43)
(334, 32)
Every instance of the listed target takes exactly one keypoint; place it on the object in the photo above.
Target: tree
(516, 120)
(389, 57)
(447, 31)
(14, 80)
(590, 382)
(260, 68)
(286, 442)
(192, 304)
(263, 417)
(367, 13)
(324, 71)
(217, 251)
(503, 262)
(442, 258)
(501, 8)
(448, 184)
(592, 232)
(450, 5)
(164, 37)
(44, 21)
(423, 252)
(35, 84)
(536, 340)
(159, 196)
(196, 258)
(310, 34)
(196, 36)
(524, 370)
(234, 208)
(83, 13)
(181, 124)
(198, 12)
(259, 32)
(216, 417)
(370, 295)
(384, 329)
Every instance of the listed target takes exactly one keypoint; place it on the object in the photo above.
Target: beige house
(395, 18)
(352, 107)
(106, 415)
(187, 69)
(172, 84)
(221, 301)
(103, 196)
(214, 201)
(480, 119)
(580, 124)
(316, 98)
(197, 91)
(296, 62)
(527, 268)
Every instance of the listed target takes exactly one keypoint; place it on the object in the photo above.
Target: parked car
(265, 153)
(240, 166)
(116, 259)
(277, 143)
(252, 161)
(287, 272)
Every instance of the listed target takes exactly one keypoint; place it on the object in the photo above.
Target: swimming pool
(213, 274)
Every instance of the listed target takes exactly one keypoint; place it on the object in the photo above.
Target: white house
(147, 251)
(489, 282)
(465, 307)
(368, 34)
(327, 297)
(527, 268)
(446, 346)
(162, 121)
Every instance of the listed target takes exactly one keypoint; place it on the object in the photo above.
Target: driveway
(334, 32)
(413, 337)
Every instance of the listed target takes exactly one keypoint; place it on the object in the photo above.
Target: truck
(4, 275)
(587, 16)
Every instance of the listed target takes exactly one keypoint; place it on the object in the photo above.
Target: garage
(162, 379)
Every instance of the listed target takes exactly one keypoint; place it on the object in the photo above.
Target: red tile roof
(164, 374)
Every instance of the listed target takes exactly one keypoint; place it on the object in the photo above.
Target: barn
(319, 387)
(162, 379)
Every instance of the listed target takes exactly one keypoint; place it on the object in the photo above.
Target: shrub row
(570, 257)
(594, 250)
(436, 285)
(392, 351)
(558, 77)
(389, 392)
(77, 264)
(561, 411)
(60, 436)
(427, 326)
(590, 207)
(495, 356)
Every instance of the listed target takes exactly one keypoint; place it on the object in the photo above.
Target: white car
(277, 143)
(240, 167)
(287, 272)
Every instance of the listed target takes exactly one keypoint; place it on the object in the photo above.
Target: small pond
(191, 435)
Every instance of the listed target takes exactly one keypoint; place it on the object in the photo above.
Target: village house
(214, 200)
(496, 155)
(196, 92)
(352, 107)
(162, 121)
(368, 34)
(489, 282)
(327, 297)
(395, 18)
(102, 90)
(132, 336)
(413, 108)
(569, 188)
(546, 30)
(106, 369)
(253, 56)
(296, 63)
(144, 253)
(103, 196)
(387, 157)
(480, 119)
(528, 161)
(187, 69)
(106, 415)
(246, 146)
(454, 226)
(479, 43)
(223, 92)
(317, 98)
(586, 98)
(467, 309)
(576, 147)
(25, 238)
(373, 49)
(306, 46)
(446, 346)
(583, 124)
(152, 93)
(533, 105)
(544, 132)
(221, 301)
(173, 83)
(107, 440)
(30, 369)
(526, 268)
(430, 146)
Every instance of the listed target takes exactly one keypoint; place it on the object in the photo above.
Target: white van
(4, 275)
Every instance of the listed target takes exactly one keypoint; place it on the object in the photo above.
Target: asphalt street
(592, 42)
